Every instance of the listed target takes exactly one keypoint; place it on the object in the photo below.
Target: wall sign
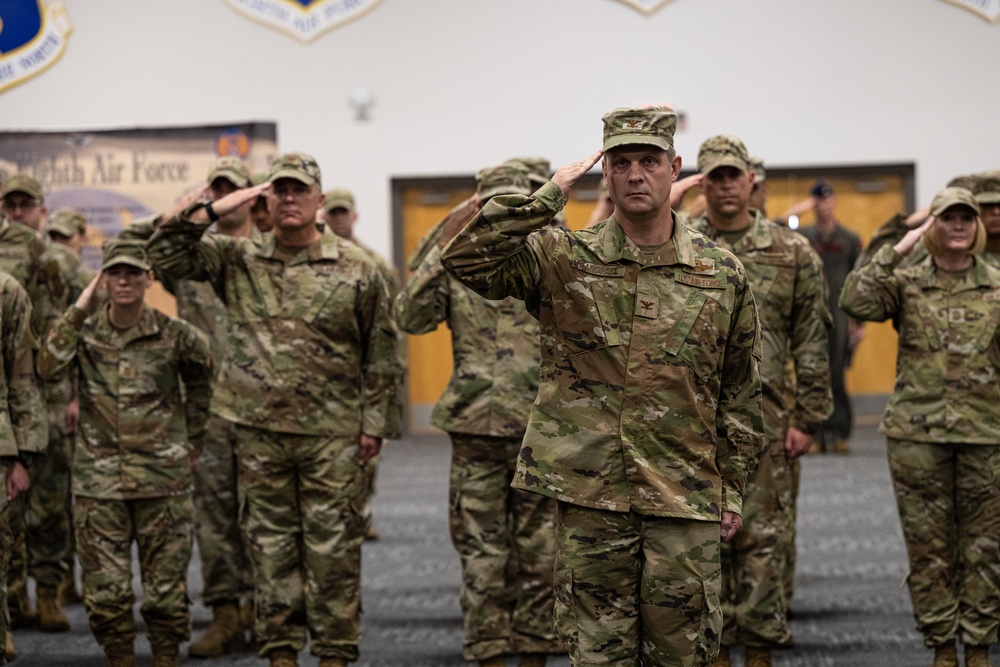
(646, 6)
(305, 20)
(987, 9)
(33, 36)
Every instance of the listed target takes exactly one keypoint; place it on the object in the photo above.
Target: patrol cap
(821, 190)
(723, 150)
(120, 251)
(29, 185)
(258, 178)
(967, 181)
(67, 221)
(654, 126)
(987, 190)
(339, 198)
(953, 197)
(759, 173)
(300, 166)
(538, 168)
(504, 179)
(231, 168)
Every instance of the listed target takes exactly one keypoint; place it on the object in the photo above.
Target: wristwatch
(210, 212)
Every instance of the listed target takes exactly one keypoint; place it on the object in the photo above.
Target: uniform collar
(616, 246)
(328, 247)
(147, 326)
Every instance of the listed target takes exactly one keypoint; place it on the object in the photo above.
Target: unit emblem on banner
(646, 6)
(32, 37)
(304, 20)
(988, 9)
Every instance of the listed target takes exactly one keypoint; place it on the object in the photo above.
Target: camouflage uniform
(131, 463)
(505, 537)
(311, 364)
(943, 434)
(22, 428)
(648, 413)
(786, 277)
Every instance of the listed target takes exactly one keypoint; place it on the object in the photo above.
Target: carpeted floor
(850, 610)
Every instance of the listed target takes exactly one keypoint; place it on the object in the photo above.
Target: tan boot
(165, 653)
(283, 657)
(977, 656)
(532, 660)
(247, 619)
(21, 614)
(50, 616)
(724, 659)
(8, 652)
(224, 635)
(945, 656)
(841, 446)
(758, 656)
(66, 592)
(496, 661)
(120, 655)
(332, 662)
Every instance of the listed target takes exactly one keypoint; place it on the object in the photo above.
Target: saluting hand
(912, 237)
(566, 177)
(87, 295)
(231, 202)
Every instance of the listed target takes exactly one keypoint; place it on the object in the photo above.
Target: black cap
(821, 190)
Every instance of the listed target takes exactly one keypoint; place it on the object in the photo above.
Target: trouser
(48, 519)
(506, 541)
(949, 505)
(633, 588)
(753, 563)
(791, 551)
(303, 501)
(225, 565)
(5, 541)
(162, 530)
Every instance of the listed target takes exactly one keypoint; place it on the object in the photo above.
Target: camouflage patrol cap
(119, 251)
(300, 166)
(339, 198)
(987, 190)
(722, 150)
(503, 179)
(759, 173)
(967, 181)
(231, 168)
(258, 178)
(953, 197)
(653, 126)
(29, 185)
(538, 168)
(67, 221)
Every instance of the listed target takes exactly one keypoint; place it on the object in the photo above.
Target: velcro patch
(597, 269)
(647, 306)
(697, 281)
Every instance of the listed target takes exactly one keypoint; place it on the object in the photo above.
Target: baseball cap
(653, 126)
(502, 179)
(538, 169)
(759, 173)
(821, 190)
(987, 190)
(29, 185)
(338, 198)
(300, 166)
(67, 221)
(119, 251)
(953, 197)
(723, 150)
(231, 168)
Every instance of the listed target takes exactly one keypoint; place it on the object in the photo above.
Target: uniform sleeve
(60, 345)
(872, 291)
(423, 303)
(498, 254)
(809, 342)
(381, 368)
(740, 416)
(195, 369)
(180, 250)
(24, 399)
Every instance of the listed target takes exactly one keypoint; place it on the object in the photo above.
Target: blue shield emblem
(32, 37)
(304, 20)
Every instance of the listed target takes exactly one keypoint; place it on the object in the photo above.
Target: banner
(987, 9)
(305, 20)
(115, 176)
(646, 6)
(32, 38)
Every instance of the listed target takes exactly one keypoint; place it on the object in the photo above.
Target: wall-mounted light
(362, 100)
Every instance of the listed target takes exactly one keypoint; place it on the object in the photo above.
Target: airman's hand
(566, 177)
(368, 446)
(87, 295)
(16, 481)
(731, 524)
(912, 237)
(797, 443)
(232, 201)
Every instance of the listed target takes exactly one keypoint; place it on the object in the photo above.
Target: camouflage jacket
(494, 349)
(892, 232)
(947, 367)
(312, 345)
(23, 427)
(649, 396)
(390, 276)
(137, 433)
(28, 256)
(786, 277)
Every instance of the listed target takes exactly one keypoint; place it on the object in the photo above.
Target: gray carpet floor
(851, 608)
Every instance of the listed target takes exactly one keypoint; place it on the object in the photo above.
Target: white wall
(461, 84)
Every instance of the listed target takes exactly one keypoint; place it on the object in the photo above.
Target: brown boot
(21, 614)
(724, 659)
(283, 657)
(977, 656)
(758, 656)
(496, 661)
(50, 616)
(332, 662)
(165, 653)
(841, 446)
(532, 660)
(120, 655)
(247, 618)
(945, 656)
(66, 592)
(224, 635)
(8, 652)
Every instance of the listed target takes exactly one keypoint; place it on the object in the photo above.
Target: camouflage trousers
(634, 589)
(162, 531)
(225, 566)
(5, 545)
(303, 513)
(506, 541)
(949, 506)
(791, 553)
(754, 561)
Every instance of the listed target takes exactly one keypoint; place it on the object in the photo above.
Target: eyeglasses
(22, 205)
